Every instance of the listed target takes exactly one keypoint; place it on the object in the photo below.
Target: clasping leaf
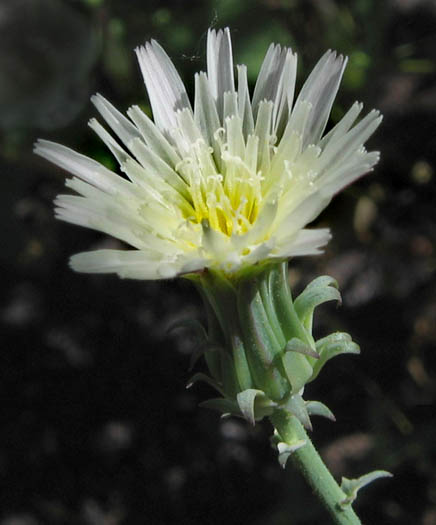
(352, 486)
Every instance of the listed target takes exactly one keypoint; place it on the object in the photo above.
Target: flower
(225, 185)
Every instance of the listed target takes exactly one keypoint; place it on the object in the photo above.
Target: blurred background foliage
(97, 427)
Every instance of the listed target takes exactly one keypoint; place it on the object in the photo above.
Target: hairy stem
(309, 462)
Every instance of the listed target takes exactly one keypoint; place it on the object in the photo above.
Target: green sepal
(240, 361)
(204, 344)
(319, 291)
(316, 408)
(251, 404)
(228, 375)
(267, 296)
(201, 349)
(219, 295)
(296, 406)
(296, 345)
(287, 316)
(286, 450)
(254, 405)
(331, 346)
(192, 324)
(275, 439)
(296, 365)
(260, 342)
(215, 334)
(199, 376)
(221, 298)
(223, 405)
(245, 400)
(351, 486)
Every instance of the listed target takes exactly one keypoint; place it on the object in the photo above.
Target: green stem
(309, 462)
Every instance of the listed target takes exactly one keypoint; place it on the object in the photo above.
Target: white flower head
(225, 185)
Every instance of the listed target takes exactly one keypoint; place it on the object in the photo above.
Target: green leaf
(331, 346)
(316, 408)
(351, 486)
(319, 291)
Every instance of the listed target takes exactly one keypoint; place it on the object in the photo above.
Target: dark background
(96, 425)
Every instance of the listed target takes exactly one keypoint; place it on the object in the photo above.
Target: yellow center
(228, 197)
(229, 206)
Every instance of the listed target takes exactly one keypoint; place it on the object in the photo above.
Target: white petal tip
(43, 148)
(97, 99)
(37, 146)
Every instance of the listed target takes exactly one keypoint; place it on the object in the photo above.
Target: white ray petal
(186, 133)
(266, 80)
(230, 104)
(340, 177)
(304, 212)
(235, 138)
(338, 151)
(284, 96)
(276, 82)
(130, 264)
(205, 113)
(165, 88)
(220, 65)
(103, 216)
(83, 167)
(123, 128)
(156, 189)
(263, 132)
(320, 90)
(244, 104)
(305, 242)
(88, 190)
(158, 169)
(153, 136)
(297, 124)
(117, 151)
(342, 126)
